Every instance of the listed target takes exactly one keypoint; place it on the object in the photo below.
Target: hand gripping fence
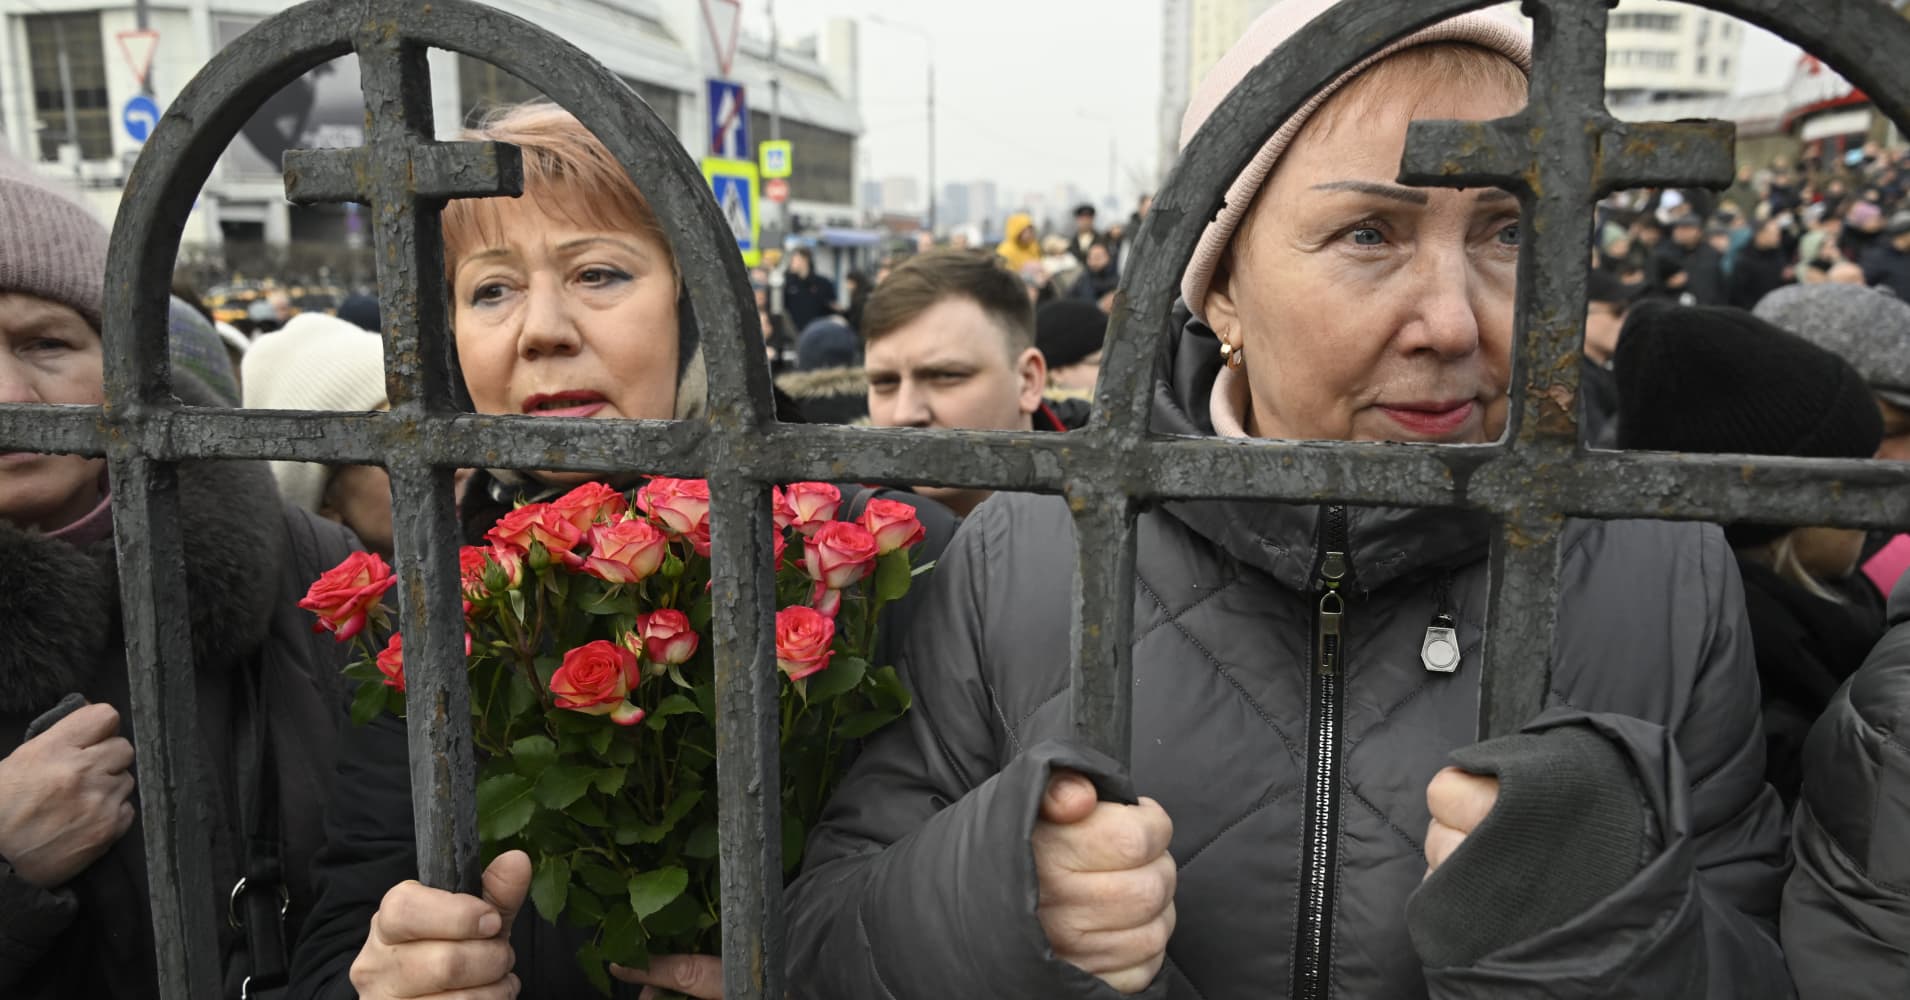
(1558, 155)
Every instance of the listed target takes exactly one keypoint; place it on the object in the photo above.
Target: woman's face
(1370, 311)
(48, 354)
(557, 318)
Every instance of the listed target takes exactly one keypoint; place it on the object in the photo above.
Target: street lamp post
(928, 41)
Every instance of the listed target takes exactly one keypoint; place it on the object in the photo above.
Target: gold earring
(1233, 356)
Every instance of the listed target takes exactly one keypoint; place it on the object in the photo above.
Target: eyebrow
(1411, 196)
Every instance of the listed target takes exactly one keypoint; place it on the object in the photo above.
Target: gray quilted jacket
(1847, 906)
(1298, 848)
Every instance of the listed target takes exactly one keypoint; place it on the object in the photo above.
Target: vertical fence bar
(175, 813)
(1520, 620)
(1101, 678)
(748, 788)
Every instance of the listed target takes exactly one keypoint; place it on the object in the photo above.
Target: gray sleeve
(1847, 905)
(1699, 918)
(919, 882)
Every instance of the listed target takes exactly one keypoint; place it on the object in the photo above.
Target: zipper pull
(1332, 609)
(1439, 650)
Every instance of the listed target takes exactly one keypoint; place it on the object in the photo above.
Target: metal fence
(1558, 155)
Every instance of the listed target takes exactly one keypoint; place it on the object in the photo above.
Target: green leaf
(588, 813)
(677, 918)
(523, 698)
(675, 704)
(596, 968)
(888, 690)
(561, 784)
(532, 754)
(862, 724)
(600, 739)
(701, 844)
(653, 890)
(601, 878)
(842, 675)
(624, 939)
(653, 833)
(608, 780)
(550, 885)
(367, 702)
(892, 576)
(504, 806)
(609, 601)
(622, 753)
(927, 567)
(584, 909)
(517, 604)
(700, 613)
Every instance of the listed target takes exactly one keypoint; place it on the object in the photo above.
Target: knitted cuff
(1569, 829)
(31, 919)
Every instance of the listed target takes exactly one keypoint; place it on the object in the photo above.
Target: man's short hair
(928, 278)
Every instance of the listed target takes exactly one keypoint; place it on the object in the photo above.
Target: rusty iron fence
(1558, 155)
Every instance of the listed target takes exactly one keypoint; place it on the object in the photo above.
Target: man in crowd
(1687, 267)
(1084, 234)
(1887, 262)
(950, 343)
(807, 296)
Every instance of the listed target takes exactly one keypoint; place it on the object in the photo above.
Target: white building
(1657, 50)
(1176, 88)
(662, 48)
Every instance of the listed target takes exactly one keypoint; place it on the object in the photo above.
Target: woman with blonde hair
(1723, 381)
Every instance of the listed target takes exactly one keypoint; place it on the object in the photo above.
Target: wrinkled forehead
(476, 224)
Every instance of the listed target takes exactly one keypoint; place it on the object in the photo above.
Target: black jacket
(1702, 267)
(1887, 266)
(249, 559)
(1847, 906)
(1755, 274)
(919, 884)
(1806, 648)
(369, 834)
(807, 299)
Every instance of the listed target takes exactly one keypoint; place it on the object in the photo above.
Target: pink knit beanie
(51, 246)
(1279, 23)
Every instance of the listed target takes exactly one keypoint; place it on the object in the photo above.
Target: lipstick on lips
(1433, 419)
(569, 403)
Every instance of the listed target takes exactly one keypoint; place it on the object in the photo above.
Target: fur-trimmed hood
(60, 604)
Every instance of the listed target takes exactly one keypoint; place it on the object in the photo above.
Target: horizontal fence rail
(1558, 155)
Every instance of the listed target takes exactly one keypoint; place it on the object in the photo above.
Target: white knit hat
(315, 362)
(1282, 21)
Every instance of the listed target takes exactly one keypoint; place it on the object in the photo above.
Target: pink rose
(539, 522)
(589, 504)
(814, 505)
(391, 662)
(827, 601)
(803, 640)
(347, 594)
(894, 525)
(840, 554)
(596, 679)
(681, 505)
(779, 509)
(667, 636)
(626, 551)
(510, 564)
(471, 566)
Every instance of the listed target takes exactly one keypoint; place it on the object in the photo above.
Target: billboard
(321, 109)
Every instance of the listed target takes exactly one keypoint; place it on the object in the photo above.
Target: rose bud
(894, 525)
(626, 551)
(539, 522)
(591, 503)
(506, 571)
(814, 505)
(594, 679)
(346, 595)
(391, 662)
(827, 601)
(840, 554)
(471, 566)
(803, 640)
(680, 505)
(667, 636)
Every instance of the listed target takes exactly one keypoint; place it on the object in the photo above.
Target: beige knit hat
(1281, 22)
(315, 362)
(51, 246)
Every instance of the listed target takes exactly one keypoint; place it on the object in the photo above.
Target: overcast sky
(1031, 92)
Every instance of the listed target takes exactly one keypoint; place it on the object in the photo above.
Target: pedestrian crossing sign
(775, 158)
(734, 184)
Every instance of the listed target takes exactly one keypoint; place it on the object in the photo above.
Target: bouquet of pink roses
(593, 693)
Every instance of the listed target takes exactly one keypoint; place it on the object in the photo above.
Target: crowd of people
(1711, 804)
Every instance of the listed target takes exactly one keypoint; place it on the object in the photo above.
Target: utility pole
(931, 134)
(776, 109)
(66, 97)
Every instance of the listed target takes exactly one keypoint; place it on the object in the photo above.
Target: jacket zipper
(1313, 939)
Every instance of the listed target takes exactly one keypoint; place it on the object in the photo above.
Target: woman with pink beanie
(1306, 813)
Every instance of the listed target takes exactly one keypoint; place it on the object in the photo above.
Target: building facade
(1656, 50)
(76, 124)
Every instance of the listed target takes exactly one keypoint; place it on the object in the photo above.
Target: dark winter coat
(1847, 906)
(828, 395)
(919, 884)
(1755, 274)
(248, 560)
(369, 834)
(1598, 417)
(1888, 267)
(1092, 285)
(807, 299)
(1701, 265)
(1806, 648)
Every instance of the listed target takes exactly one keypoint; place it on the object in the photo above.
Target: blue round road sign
(140, 115)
